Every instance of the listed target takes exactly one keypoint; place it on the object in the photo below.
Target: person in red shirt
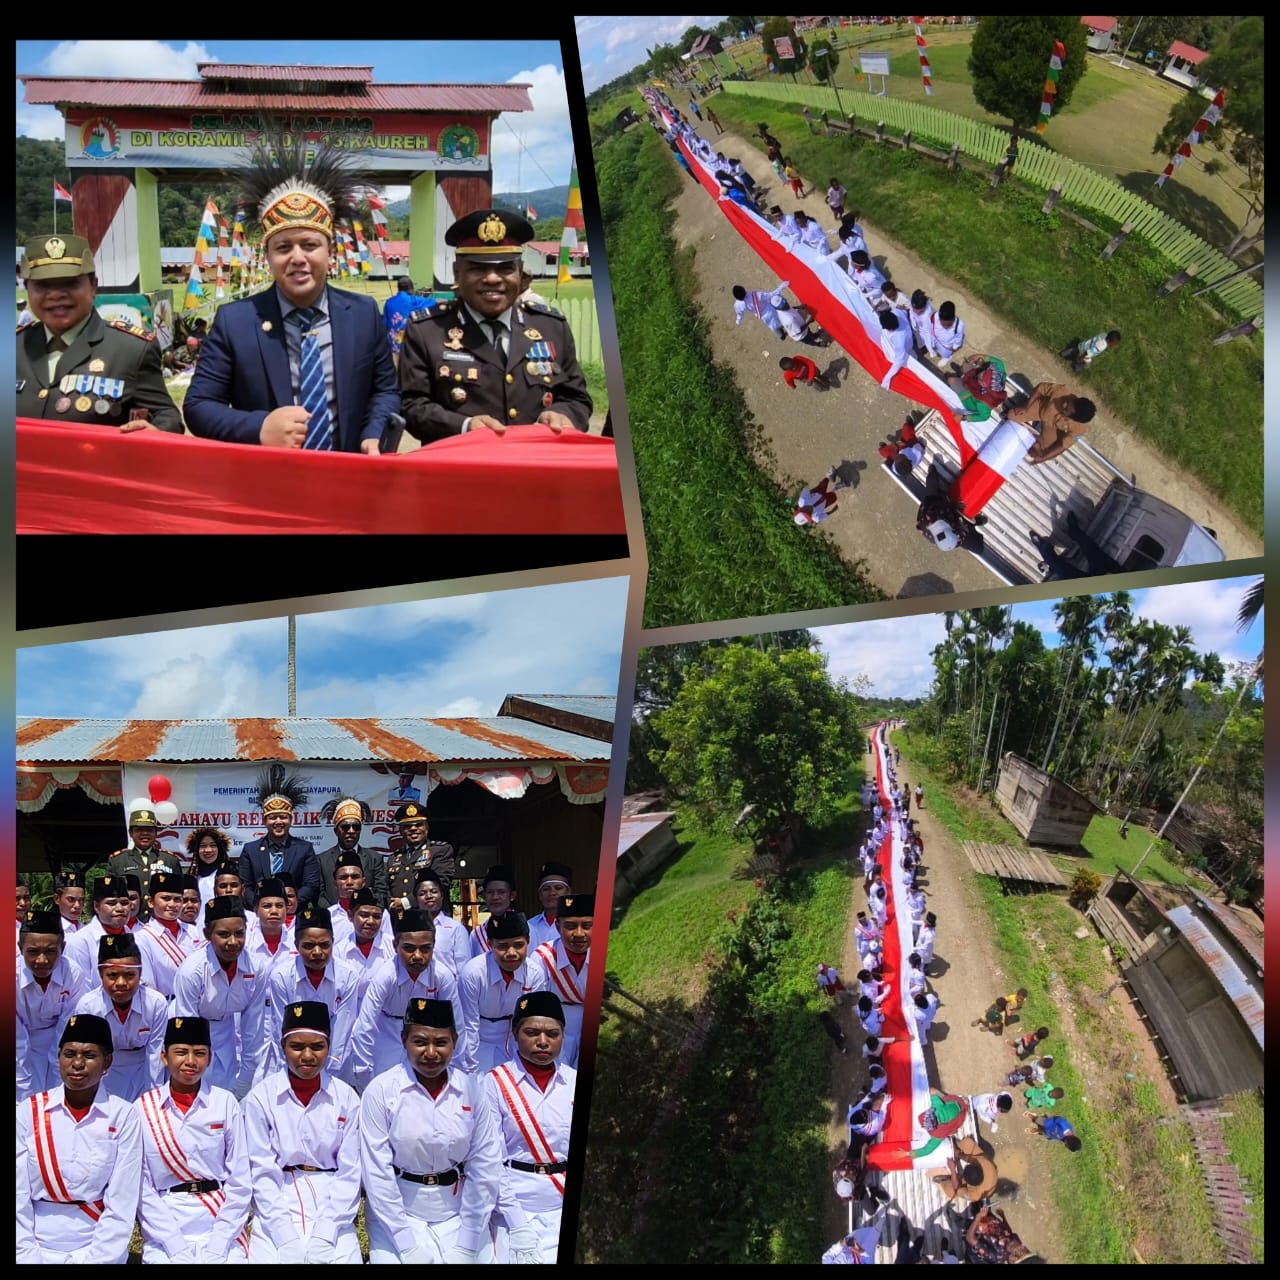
(802, 369)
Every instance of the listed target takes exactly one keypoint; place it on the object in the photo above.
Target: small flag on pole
(573, 223)
(531, 213)
(1213, 113)
(60, 192)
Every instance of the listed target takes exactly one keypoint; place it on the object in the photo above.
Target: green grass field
(1109, 853)
(1244, 1133)
(1043, 276)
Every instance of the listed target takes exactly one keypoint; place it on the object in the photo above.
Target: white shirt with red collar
(570, 984)
(137, 1039)
(375, 1041)
(96, 1161)
(488, 1001)
(40, 1012)
(542, 929)
(163, 950)
(338, 991)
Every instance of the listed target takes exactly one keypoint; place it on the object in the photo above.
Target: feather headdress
(280, 791)
(344, 808)
(290, 191)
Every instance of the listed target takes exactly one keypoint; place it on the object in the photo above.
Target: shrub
(1084, 888)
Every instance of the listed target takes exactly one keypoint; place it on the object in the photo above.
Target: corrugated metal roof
(596, 706)
(1250, 940)
(1180, 49)
(281, 70)
(45, 741)
(1228, 973)
(1099, 24)
(182, 94)
(634, 829)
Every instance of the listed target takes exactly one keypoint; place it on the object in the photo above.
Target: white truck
(1073, 517)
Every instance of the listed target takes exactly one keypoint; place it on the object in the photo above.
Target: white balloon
(140, 803)
(166, 812)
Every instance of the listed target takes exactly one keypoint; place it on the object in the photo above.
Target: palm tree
(1078, 624)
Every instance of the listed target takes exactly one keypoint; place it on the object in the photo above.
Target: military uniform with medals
(108, 369)
(451, 370)
(404, 865)
(143, 863)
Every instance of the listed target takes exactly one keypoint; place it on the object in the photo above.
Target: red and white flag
(60, 192)
(531, 213)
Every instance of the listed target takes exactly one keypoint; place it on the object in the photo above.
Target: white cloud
(610, 46)
(895, 654)
(1209, 609)
(195, 688)
(126, 59)
(533, 149)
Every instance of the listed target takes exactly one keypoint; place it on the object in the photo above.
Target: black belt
(446, 1179)
(307, 1168)
(197, 1187)
(506, 1017)
(560, 1166)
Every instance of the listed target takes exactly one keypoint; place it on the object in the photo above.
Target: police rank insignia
(443, 372)
(547, 399)
(458, 395)
(473, 374)
(532, 334)
(97, 366)
(455, 340)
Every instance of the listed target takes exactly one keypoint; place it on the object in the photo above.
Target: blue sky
(610, 46)
(535, 151)
(897, 655)
(454, 657)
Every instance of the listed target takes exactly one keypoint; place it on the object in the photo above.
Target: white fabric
(488, 1001)
(570, 985)
(135, 1062)
(163, 954)
(375, 1041)
(40, 1012)
(339, 992)
(235, 1009)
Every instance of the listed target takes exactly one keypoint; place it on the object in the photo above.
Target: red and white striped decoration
(1211, 117)
(925, 73)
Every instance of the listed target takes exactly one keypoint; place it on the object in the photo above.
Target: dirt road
(809, 431)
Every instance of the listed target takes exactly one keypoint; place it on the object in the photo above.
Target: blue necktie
(312, 392)
(277, 862)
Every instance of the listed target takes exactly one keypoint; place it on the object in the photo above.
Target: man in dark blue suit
(278, 852)
(299, 365)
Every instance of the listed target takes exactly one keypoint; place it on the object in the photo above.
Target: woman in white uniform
(533, 1097)
(423, 1125)
(303, 1130)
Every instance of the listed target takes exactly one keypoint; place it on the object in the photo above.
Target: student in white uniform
(532, 1094)
(314, 973)
(349, 877)
(110, 916)
(47, 990)
(453, 942)
(423, 1124)
(135, 1014)
(303, 1129)
(218, 983)
(164, 941)
(196, 1188)
(191, 904)
(555, 879)
(370, 940)
(566, 962)
(412, 974)
(864, 274)
(68, 900)
(489, 988)
(498, 889)
(79, 1159)
(946, 333)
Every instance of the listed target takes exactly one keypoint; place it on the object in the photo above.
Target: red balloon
(159, 788)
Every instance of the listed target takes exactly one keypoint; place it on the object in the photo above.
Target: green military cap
(57, 258)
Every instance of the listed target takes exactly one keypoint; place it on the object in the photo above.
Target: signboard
(203, 140)
(784, 48)
(874, 64)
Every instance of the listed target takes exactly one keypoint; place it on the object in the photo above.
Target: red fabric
(182, 1100)
(304, 1090)
(88, 479)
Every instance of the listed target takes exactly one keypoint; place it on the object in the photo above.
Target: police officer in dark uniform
(415, 854)
(143, 856)
(74, 366)
(458, 373)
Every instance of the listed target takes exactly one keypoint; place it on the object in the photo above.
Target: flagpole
(55, 209)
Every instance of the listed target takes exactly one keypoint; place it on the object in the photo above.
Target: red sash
(47, 1159)
(527, 1122)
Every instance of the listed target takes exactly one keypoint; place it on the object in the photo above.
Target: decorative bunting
(573, 223)
(1211, 117)
(205, 239)
(1051, 84)
(925, 73)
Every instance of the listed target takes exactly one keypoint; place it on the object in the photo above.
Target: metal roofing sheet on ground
(181, 94)
(634, 829)
(1228, 973)
(597, 706)
(47, 741)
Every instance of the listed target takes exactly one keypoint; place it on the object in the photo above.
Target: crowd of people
(976, 1230)
(232, 1053)
(302, 365)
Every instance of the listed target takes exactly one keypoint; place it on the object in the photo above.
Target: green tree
(762, 728)
(822, 59)
(1009, 61)
(1236, 66)
(773, 29)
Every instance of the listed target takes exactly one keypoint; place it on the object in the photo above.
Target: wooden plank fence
(1037, 165)
(581, 315)
(1221, 1178)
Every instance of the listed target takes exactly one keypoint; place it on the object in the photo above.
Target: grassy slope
(1244, 1131)
(720, 540)
(1043, 276)
(1130, 1167)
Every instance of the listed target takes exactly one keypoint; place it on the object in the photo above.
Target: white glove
(461, 1257)
(526, 1248)
(416, 1255)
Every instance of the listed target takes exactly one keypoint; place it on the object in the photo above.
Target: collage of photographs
(566, 832)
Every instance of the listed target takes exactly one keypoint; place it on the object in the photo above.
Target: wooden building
(1182, 64)
(1102, 34)
(1195, 967)
(1044, 809)
(646, 842)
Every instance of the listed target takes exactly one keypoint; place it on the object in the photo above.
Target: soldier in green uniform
(74, 366)
(144, 856)
(459, 373)
(415, 855)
